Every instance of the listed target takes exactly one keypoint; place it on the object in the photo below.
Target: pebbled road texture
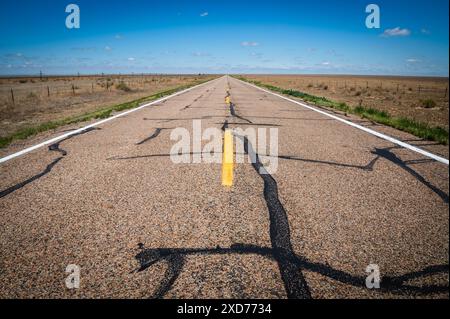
(111, 201)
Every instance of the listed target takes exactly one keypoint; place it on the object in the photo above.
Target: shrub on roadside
(428, 103)
(122, 86)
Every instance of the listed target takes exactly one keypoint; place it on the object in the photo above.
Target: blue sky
(212, 36)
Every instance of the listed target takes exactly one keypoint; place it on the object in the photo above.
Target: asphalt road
(111, 201)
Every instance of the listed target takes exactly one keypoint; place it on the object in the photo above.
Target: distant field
(37, 101)
(418, 98)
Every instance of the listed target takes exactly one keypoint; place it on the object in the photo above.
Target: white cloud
(396, 32)
(108, 48)
(249, 44)
(131, 59)
(204, 14)
(326, 63)
(412, 60)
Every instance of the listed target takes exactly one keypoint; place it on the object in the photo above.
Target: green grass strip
(419, 129)
(98, 114)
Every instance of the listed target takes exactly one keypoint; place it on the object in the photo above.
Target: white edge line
(362, 128)
(77, 131)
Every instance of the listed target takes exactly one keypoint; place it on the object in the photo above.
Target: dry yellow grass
(400, 96)
(37, 101)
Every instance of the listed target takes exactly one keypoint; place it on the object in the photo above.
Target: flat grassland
(422, 99)
(31, 101)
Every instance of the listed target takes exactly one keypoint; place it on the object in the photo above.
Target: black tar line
(181, 118)
(390, 156)
(294, 281)
(30, 180)
(225, 125)
(233, 113)
(368, 167)
(255, 124)
(54, 147)
(154, 135)
(175, 258)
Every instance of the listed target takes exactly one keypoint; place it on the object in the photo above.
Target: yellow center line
(227, 161)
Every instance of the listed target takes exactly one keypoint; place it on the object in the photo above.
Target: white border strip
(362, 128)
(77, 131)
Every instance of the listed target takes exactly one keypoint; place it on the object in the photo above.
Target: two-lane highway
(111, 200)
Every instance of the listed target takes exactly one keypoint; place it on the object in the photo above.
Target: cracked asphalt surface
(111, 201)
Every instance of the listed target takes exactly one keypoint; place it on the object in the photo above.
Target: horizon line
(43, 75)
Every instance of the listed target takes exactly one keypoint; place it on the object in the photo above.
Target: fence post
(48, 91)
(12, 96)
(446, 91)
(73, 89)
